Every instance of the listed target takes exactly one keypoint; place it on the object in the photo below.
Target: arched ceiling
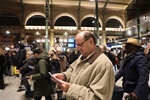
(17, 6)
(129, 5)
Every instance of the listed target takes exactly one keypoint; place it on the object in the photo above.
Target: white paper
(55, 79)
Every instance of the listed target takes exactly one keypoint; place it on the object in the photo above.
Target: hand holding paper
(58, 78)
(55, 79)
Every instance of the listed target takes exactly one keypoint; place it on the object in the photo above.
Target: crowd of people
(26, 63)
(87, 73)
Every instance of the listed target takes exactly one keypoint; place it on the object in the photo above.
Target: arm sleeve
(118, 75)
(142, 84)
(101, 88)
(42, 70)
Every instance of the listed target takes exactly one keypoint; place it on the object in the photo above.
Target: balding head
(85, 42)
(86, 35)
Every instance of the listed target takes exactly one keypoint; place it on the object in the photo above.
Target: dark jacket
(42, 84)
(135, 74)
(21, 56)
(2, 60)
(25, 70)
(111, 57)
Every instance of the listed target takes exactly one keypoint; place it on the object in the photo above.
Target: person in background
(134, 71)
(21, 56)
(147, 53)
(42, 84)
(7, 63)
(121, 56)
(26, 70)
(58, 55)
(110, 55)
(91, 76)
(76, 54)
(2, 60)
(13, 61)
(72, 55)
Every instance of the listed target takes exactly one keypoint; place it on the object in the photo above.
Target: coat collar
(92, 57)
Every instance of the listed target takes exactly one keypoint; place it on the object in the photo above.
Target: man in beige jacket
(91, 76)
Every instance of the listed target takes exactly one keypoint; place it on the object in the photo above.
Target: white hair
(59, 49)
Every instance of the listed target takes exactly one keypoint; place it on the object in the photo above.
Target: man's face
(83, 46)
(36, 55)
(129, 48)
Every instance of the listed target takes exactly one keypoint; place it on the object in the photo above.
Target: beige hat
(132, 41)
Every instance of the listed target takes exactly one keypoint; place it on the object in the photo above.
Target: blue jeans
(28, 91)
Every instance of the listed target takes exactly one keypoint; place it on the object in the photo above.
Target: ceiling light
(37, 33)
(7, 32)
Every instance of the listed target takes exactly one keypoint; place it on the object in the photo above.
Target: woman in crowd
(2, 60)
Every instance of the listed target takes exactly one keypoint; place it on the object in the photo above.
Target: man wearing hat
(134, 72)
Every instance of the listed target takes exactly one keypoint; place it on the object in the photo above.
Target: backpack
(54, 66)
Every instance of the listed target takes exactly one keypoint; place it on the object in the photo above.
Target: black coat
(26, 70)
(135, 75)
(2, 60)
(21, 56)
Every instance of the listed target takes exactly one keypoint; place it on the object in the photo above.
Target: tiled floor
(10, 91)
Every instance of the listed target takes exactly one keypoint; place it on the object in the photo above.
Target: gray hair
(88, 34)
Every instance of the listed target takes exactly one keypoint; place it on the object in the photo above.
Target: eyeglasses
(80, 45)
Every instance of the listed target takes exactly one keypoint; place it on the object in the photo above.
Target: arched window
(113, 23)
(9, 20)
(65, 21)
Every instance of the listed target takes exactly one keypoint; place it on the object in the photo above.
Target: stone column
(103, 39)
(78, 30)
(25, 40)
(22, 36)
(51, 37)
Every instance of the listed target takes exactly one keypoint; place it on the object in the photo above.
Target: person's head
(59, 50)
(55, 46)
(52, 51)
(37, 52)
(29, 53)
(85, 42)
(104, 48)
(131, 45)
(22, 46)
(1, 51)
(68, 51)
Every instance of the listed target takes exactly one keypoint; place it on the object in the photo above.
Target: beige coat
(91, 78)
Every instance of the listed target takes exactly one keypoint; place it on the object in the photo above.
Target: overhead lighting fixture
(93, 21)
(37, 33)
(129, 32)
(65, 33)
(7, 32)
(46, 37)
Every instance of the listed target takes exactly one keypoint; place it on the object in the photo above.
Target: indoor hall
(42, 22)
(46, 22)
